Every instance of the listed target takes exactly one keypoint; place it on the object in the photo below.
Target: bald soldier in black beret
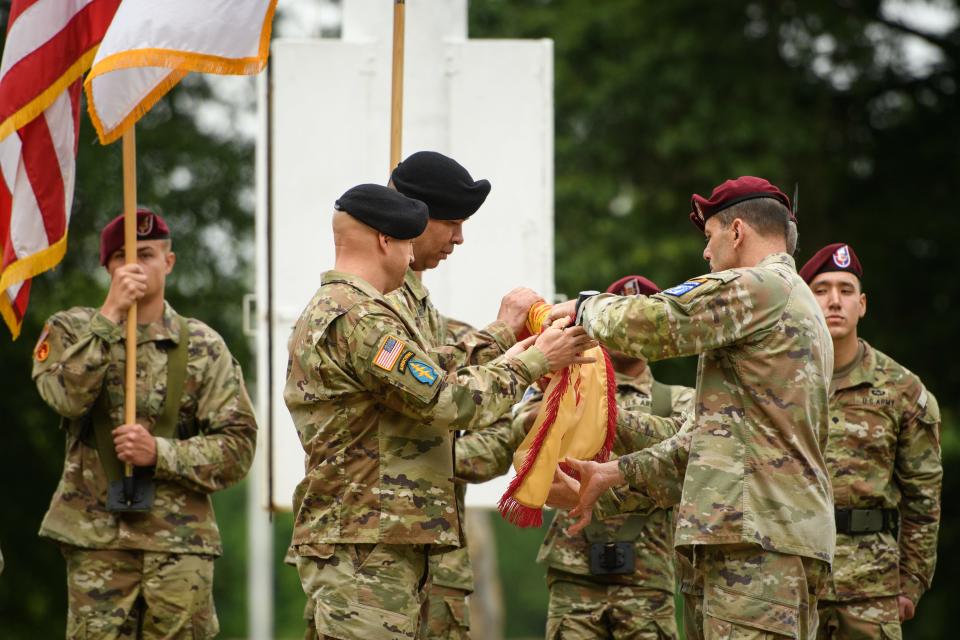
(375, 408)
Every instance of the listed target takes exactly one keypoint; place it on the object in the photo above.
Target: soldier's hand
(563, 310)
(563, 345)
(136, 445)
(907, 610)
(127, 285)
(564, 491)
(521, 346)
(595, 479)
(514, 307)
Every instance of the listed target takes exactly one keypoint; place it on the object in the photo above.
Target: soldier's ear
(171, 259)
(384, 242)
(863, 304)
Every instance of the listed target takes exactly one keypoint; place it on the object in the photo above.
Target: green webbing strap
(166, 424)
(661, 404)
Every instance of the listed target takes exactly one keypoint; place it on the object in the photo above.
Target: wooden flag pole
(396, 95)
(130, 253)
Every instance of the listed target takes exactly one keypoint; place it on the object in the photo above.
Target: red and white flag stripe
(50, 43)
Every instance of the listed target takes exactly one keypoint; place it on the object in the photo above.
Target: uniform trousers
(115, 594)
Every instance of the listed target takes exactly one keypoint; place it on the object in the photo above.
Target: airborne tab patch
(684, 288)
(404, 359)
(423, 372)
(389, 352)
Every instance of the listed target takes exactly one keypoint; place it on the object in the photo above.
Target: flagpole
(396, 95)
(130, 254)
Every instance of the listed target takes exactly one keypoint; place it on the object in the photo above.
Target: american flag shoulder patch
(389, 352)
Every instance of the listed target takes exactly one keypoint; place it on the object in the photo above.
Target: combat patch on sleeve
(423, 372)
(389, 353)
(682, 289)
(42, 351)
(404, 359)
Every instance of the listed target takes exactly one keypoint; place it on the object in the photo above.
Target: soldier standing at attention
(452, 196)
(374, 409)
(616, 578)
(883, 454)
(755, 509)
(147, 574)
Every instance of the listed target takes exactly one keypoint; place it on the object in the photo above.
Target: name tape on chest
(389, 353)
(682, 289)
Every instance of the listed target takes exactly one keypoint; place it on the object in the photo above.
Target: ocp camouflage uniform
(748, 475)
(163, 557)
(635, 605)
(883, 453)
(375, 411)
(451, 576)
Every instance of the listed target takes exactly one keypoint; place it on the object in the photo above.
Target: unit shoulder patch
(683, 289)
(404, 359)
(422, 372)
(389, 353)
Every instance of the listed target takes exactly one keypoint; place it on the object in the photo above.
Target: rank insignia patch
(389, 353)
(404, 359)
(682, 289)
(422, 371)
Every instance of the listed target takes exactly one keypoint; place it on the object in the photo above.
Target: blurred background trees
(855, 101)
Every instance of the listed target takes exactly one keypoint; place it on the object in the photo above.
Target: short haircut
(766, 216)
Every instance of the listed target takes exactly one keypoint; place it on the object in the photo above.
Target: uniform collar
(642, 383)
(415, 284)
(863, 370)
(167, 328)
(334, 276)
(779, 258)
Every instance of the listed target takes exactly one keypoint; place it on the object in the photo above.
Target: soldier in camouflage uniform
(375, 408)
(883, 454)
(748, 475)
(149, 574)
(592, 599)
(452, 196)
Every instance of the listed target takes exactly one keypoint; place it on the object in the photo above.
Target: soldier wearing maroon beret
(149, 573)
(883, 454)
(746, 475)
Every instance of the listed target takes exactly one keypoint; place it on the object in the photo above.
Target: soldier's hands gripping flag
(152, 45)
(49, 45)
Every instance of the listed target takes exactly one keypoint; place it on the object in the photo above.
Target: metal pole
(130, 253)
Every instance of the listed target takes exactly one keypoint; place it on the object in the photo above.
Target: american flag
(388, 354)
(49, 45)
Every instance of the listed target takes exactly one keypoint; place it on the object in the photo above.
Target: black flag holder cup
(130, 494)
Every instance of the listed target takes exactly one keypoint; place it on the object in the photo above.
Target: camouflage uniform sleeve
(637, 430)
(705, 313)
(918, 472)
(487, 454)
(70, 361)
(657, 472)
(681, 400)
(467, 346)
(222, 453)
(409, 381)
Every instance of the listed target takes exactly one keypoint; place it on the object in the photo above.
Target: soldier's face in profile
(841, 300)
(719, 251)
(436, 243)
(154, 257)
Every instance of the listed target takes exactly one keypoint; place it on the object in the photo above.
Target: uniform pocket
(891, 631)
(459, 611)
(748, 610)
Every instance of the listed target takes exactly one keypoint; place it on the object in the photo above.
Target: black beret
(386, 210)
(447, 188)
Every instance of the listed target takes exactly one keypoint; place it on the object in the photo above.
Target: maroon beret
(833, 257)
(150, 226)
(733, 192)
(633, 285)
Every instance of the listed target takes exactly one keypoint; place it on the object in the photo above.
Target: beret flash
(386, 210)
(734, 192)
(833, 257)
(442, 183)
(633, 285)
(150, 226)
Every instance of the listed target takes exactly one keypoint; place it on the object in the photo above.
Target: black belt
(857, 521)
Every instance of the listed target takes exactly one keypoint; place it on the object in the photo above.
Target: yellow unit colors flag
(576, 419)
(150, 46)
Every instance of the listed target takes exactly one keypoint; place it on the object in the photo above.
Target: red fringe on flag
(513, 511)
(607, 449)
